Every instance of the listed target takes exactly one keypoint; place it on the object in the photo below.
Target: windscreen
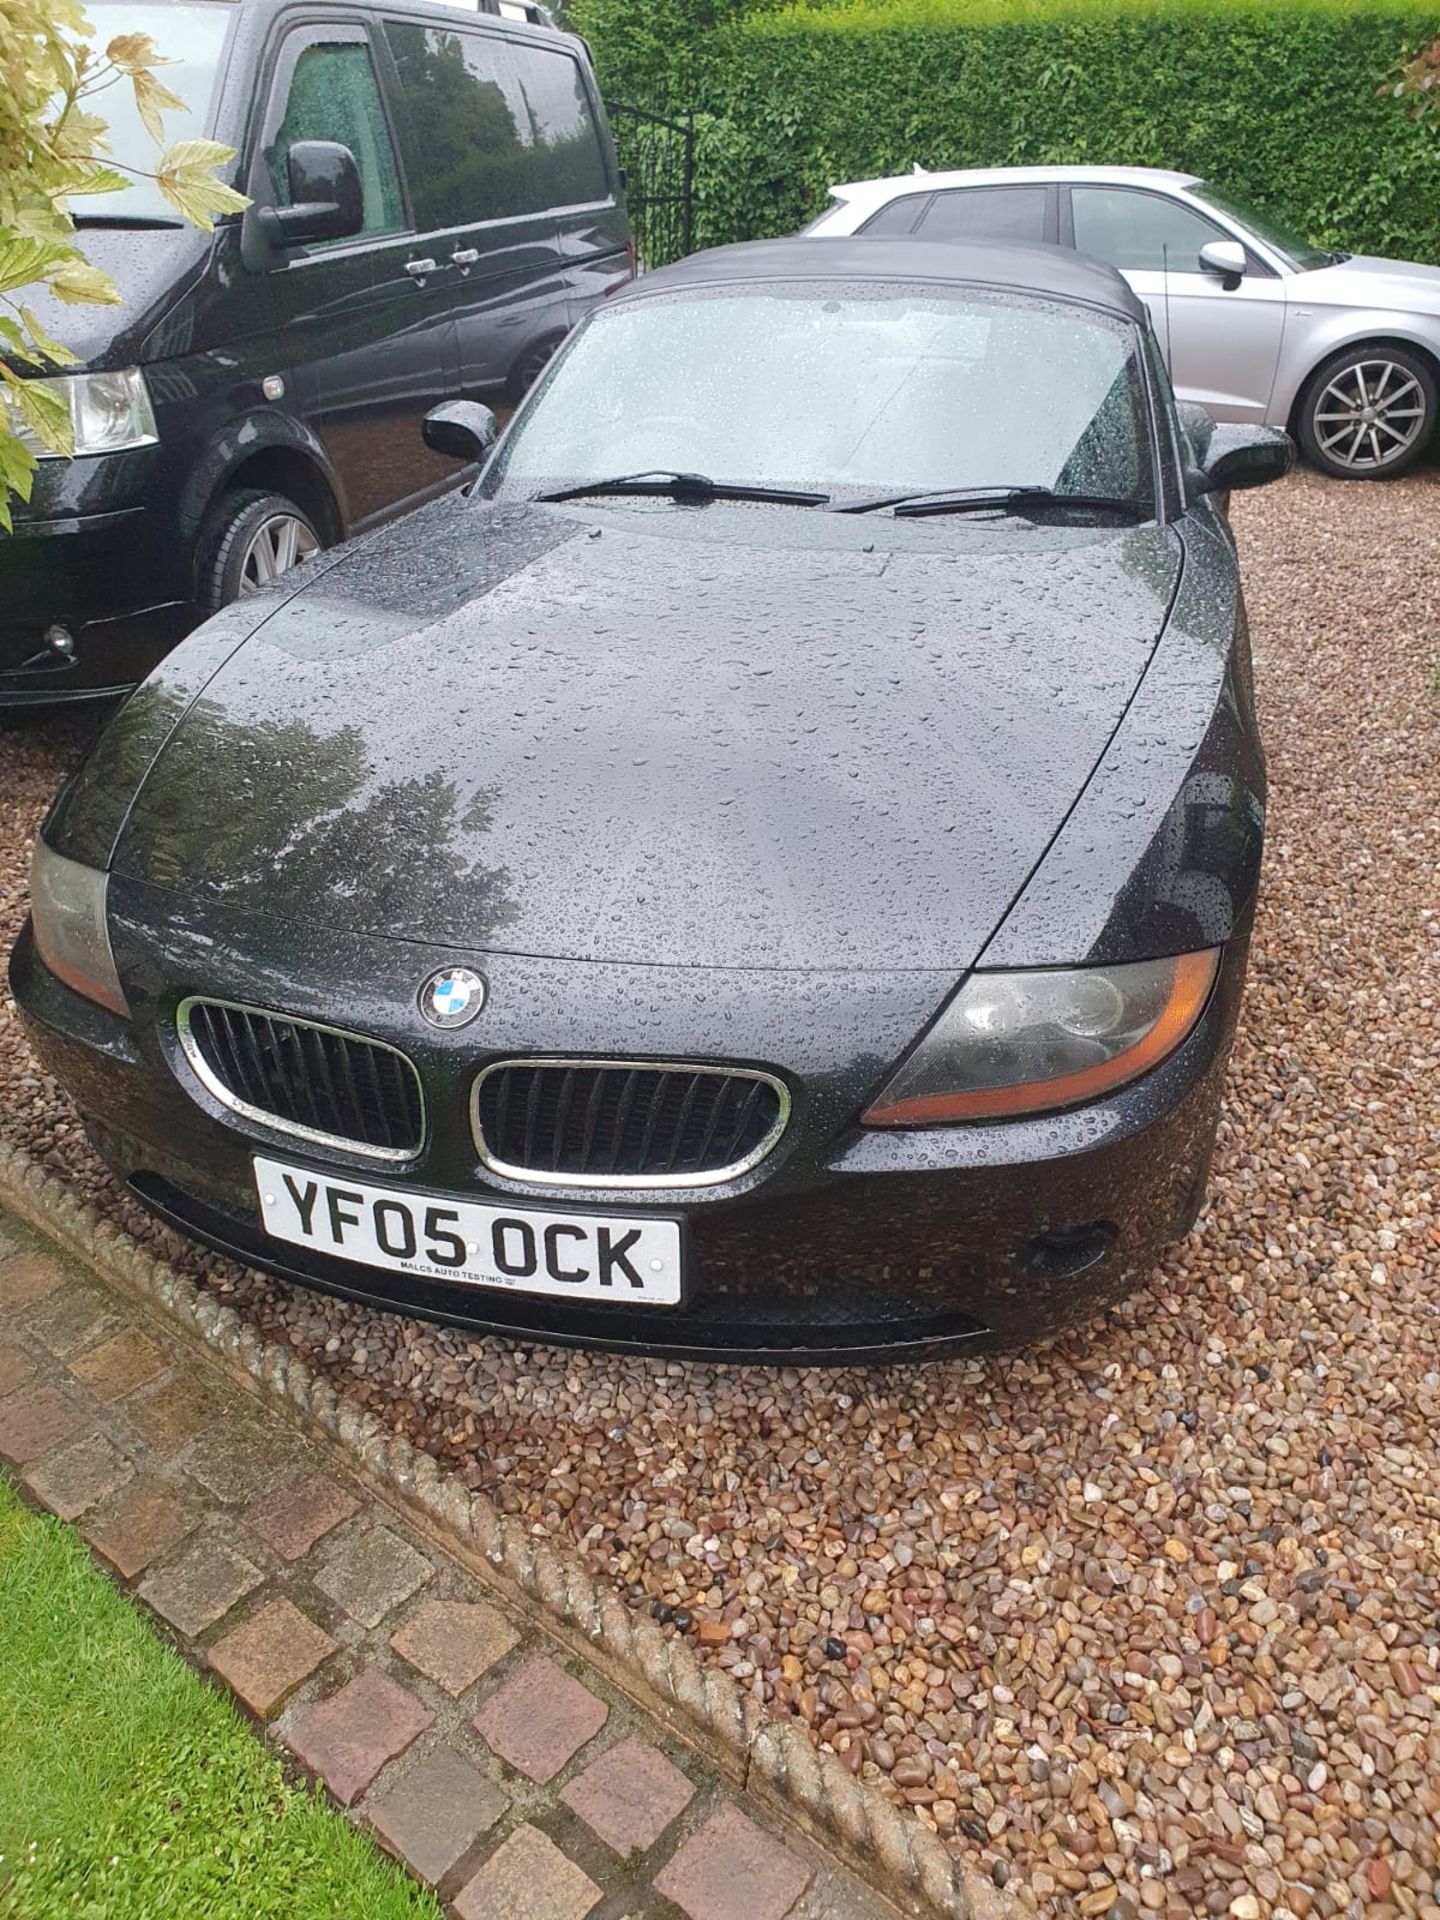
(834, 389)
(191, 44)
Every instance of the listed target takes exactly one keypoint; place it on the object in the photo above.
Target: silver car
(1257, 324)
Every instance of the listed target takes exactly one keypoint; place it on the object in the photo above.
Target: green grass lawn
(129, 1790)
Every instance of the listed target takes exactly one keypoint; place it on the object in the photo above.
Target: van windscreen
(191, 44)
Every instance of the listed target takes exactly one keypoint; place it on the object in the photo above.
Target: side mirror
(325, 194)
(1241, 456)
(1227, 260)
(462, 428)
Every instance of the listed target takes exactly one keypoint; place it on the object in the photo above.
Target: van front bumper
(89, 601)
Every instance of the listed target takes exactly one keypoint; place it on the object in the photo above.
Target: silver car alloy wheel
(1371, 413)
(277, 544)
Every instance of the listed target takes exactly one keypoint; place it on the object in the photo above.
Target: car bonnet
(729, 737)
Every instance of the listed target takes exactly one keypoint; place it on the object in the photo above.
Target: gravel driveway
(1148, 1618)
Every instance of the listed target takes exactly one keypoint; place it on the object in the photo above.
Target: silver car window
(898, 216)
(987, 213)
(1139, 232)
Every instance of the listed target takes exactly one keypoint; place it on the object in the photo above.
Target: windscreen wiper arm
(661, 482)
(125, 222)
(917, 506)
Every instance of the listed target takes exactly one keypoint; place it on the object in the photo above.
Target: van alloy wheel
(276, 545)
(1369, 415)
(528, 369)
(251, 536)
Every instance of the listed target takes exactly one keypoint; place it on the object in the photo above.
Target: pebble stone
(1147, 1619)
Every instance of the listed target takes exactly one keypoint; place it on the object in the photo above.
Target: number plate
(623, 1260)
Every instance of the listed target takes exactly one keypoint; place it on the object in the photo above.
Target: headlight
(1014, 1043)
(67, 909)
(108, 412)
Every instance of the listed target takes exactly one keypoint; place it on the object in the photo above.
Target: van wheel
(1368, 413)
(251, 538)
(528, 369)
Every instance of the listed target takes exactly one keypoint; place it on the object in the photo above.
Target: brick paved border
(883, 1843)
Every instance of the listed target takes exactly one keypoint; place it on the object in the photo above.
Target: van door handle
(419, 268)
(465, 256)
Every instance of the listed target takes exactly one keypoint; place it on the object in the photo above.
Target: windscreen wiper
(661, 483)
(125, 222)
(917, 506)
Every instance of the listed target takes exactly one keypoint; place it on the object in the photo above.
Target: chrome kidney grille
(616, 1123)
(316, 1082)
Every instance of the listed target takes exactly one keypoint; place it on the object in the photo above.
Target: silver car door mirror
(1226, 259)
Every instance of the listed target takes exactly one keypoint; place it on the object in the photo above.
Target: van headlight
(1032, 1042)
(72, 937)
(109, 412)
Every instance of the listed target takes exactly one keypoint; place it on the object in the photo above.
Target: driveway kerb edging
(814, 1787)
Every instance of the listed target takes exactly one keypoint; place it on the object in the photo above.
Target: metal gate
(658, 156)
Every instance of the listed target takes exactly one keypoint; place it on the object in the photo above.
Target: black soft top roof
(1015, 265)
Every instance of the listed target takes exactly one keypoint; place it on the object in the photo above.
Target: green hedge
(1276, 100)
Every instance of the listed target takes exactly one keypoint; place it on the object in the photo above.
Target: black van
(435, 202)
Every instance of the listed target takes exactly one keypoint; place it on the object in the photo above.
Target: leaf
(78, 135)
(185, 179)
(89, 178)
(17, 463)
(189, 156)
(43, 220)
(46, 413)
(62, 356)
(200, 200)
(69, 15)
(79, 284)
(12, 449)
(132, 52)
(151, 100)
(17, 344)
(25, 260)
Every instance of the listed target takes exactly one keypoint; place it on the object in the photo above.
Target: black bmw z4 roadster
(766, 871)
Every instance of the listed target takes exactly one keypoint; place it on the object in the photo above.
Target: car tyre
(1368, 413)
(251, 537)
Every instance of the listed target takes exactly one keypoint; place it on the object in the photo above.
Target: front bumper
(97, 557)
(845, 1244)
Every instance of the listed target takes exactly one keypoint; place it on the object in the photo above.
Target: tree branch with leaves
(1418, 80)
(53, 146)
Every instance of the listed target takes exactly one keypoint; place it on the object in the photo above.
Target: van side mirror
(1227, 260)
(461, 428)
(1241, 456)
(325, 195)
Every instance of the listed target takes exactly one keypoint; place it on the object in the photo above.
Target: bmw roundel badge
(452, 997)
